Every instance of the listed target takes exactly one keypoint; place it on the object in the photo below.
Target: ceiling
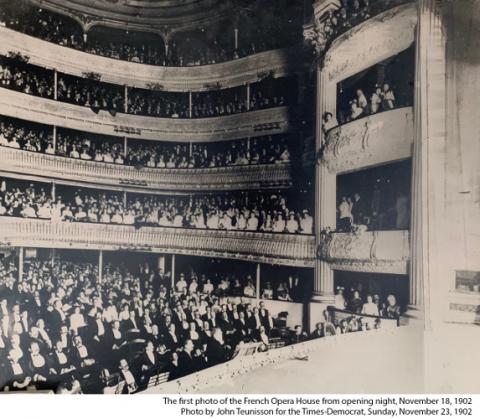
(159, 15)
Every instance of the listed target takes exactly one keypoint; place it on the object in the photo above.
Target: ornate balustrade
(281, 62)
(222, 374)
(369, 251)
(368, 141)
(46, 111)
(221, 178)
(280, 249)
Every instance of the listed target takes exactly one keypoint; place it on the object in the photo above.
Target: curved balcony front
(376, 139)
(144, 179)
(47, 111)
(280, 249)
(280, 62)
(369, 251)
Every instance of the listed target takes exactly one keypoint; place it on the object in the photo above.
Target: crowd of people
(145, 49)
(98, 148)
(381, 99)
(97, 95)
(66, 328)
(244, 211)
(25, 78)
(352, 13)
(368, 305)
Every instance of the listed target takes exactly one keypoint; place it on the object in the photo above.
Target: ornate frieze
(379, 138)
(281, 249)
(128, 177)
(367, 251)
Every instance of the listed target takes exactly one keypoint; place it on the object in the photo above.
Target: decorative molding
(372, 41)
(368, 251)
(280, 63)
(105, 174)
(368, 141)
(280, 249)
(47, 111)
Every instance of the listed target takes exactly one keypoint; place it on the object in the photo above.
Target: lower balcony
(369, 141)
(107, 174)
(279, 249)
(369, 251)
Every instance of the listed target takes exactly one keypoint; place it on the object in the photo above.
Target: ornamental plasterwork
(363, 251)
(388, 33)
(379, 138)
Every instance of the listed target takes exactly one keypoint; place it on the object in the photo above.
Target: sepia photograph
(239, 197)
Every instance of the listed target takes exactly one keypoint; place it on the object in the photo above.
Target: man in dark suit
(216, 350)
(241, 327)
(264, 317)
(186, 363)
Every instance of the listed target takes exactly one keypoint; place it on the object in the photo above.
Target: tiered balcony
(377, 139)
(369, 251)
(107, 174)
(281, 249)
(46, 111)
(281, 62)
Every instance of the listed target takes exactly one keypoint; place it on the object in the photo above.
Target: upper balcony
(281, 62)
(242, 125)
(376, 139)
(131, 178)
(333, 18)
(368, 251)
(281, 249)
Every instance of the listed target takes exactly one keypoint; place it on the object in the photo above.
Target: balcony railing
(281, 249)
(45, 111)
(109, 174)
(281, 62)
(369, 251)
(375, 139)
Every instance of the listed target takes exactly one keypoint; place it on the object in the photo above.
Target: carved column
(429, 108)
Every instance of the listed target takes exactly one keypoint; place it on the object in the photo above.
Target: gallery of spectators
(194, 190)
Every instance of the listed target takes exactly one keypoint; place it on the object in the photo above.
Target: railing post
(124, 199)
(20, 263)
(190, 149)
(125, 146)
(100, 266)
(173, 273)
(190, 104)
(53, 192)
(55, 84)
(257, 285)
(55, 139)
(125, 107)
(248, 96)
(236, 37)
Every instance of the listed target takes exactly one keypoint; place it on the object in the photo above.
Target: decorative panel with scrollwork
(376, 139)
(368, 251)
